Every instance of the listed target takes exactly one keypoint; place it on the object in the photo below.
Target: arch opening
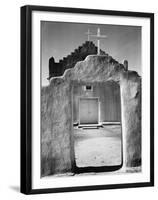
(97, 127)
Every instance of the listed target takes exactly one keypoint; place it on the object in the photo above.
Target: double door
(89, 110)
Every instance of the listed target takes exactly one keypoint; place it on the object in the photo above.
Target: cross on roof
(98, 37)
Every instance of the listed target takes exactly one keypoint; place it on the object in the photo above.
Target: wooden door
(88, 110)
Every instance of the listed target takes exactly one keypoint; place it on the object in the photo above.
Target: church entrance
(97, 127)
(88, 110)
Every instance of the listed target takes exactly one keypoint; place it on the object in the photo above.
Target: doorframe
(79, 98)
(79, 170)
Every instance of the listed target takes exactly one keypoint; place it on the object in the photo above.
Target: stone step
(111, 123)
(89, 125)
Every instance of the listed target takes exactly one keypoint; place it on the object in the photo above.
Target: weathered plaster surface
(57, 138)
(130, 85)
(57, 146)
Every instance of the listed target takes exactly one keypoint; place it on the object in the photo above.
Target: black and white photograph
(90, 99)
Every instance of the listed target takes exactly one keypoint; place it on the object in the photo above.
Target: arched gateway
(57, 139)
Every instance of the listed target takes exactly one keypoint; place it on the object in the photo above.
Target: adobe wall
(79, 54)
(130, 85)
(57, 131)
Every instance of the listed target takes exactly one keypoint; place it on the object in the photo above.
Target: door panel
(88, 110)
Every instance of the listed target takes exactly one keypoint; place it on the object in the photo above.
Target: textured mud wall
(57, 154)
(131, 118)
(57, 140)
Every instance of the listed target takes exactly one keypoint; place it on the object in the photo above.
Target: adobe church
(93, 97)
(88, 89)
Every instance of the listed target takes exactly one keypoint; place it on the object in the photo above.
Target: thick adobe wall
(57, 138)
(130, 85)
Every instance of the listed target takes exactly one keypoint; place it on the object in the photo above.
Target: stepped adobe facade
(79, 54)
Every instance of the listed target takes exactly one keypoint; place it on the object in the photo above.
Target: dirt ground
(98, 147)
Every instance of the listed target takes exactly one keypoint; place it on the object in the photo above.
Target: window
(88, 88)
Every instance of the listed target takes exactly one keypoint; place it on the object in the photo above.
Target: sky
(58, 39)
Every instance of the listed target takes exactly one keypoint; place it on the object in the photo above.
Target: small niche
(88, 88)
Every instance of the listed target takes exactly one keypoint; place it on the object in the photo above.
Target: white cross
(98, 36)
(88, 33)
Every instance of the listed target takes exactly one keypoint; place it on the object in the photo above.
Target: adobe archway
(57, 132)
